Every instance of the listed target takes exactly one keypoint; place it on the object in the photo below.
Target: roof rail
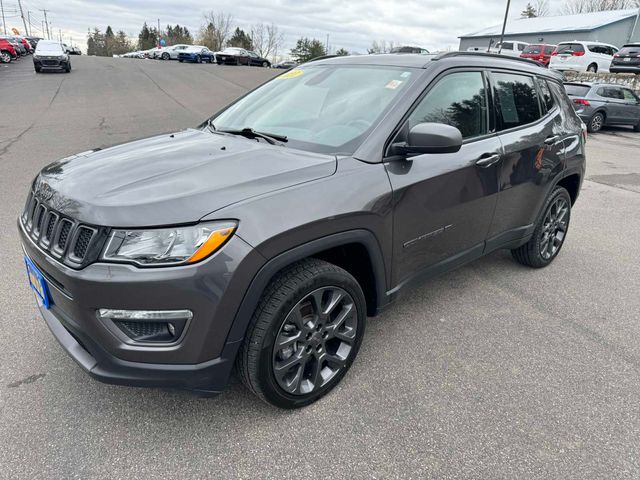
(484, 54)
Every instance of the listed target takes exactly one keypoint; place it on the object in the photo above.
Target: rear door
(614, 103)
(443, 203)
(532, 135)
(631, 107)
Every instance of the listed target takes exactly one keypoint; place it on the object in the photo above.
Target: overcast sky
(352, 24)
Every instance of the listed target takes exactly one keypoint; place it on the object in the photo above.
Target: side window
(521, 46)
(507, 46)
(459, 100)
(549, 50)
(547, 97)
(629, 96)
(516, 100)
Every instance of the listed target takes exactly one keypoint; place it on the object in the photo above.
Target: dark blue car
(197, 54)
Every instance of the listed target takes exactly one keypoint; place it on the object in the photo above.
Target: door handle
(552, 140)
(487, 161)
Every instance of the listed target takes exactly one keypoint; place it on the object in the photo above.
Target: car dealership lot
(494, 370)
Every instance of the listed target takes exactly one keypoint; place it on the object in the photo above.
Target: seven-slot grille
(60, 236)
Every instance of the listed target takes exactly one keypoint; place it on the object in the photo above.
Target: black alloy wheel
(550, 232)
(315, 340)
(304, 334)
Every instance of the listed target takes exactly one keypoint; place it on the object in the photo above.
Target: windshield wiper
(272, 138)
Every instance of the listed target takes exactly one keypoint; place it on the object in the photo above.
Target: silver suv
(600, 104)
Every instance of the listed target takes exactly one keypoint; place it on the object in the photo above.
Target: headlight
(167, 246)
(62, 57)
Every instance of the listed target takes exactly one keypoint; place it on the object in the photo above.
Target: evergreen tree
(307, 49)
(342, 52)
(109, 41)
(240, 39)
(529, 12)
(147, 38)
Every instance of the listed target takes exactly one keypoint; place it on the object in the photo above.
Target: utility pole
(24, 22)
(60, 34)
(504, 26)
(42, 26)
(4, 24)
(158, 42)
(46, 23)
(327, 47)
(633, 31)
(29, 22)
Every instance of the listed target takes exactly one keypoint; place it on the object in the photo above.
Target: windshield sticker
(296, 72)
(393, 84)
(405, 74)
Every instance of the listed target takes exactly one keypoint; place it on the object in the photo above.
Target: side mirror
(430, 138)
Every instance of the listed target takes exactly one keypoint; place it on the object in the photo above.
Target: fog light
(148, 326)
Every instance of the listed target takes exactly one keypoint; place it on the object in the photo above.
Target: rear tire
(593, 68)
(265, 64)
(596, 122)
(198, 59)
(165, 56)
(550, 232)
(304, 334)
(636, 127)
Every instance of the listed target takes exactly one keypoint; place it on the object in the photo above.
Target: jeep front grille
(73, 243)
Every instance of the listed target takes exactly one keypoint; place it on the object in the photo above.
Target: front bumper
(51, 64)
(201, 360)
(206, 378)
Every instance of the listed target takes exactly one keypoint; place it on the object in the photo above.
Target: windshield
(48, 48)
(322, 108)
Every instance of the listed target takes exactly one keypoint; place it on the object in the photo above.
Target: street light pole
(504, 25)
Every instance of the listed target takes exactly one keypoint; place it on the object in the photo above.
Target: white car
(511, 49)
(583, 56)
(171, 52)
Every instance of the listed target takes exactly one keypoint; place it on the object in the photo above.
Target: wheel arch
(571, 183)
(357, 251)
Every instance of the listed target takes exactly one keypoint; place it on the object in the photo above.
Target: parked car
(286, 64)
(600, 104)
(240, 56)
(255, 249)
(512, 49)
(33, 41)
(539, 52)
(406, 49)
(17, 44)
(51, 55)
(582, 56)
(8, 52)
(197, 54)
(171, 52)
(627, 60)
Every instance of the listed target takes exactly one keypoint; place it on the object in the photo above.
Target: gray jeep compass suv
(264, 238)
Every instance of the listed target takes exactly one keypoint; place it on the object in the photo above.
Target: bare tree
(266, 39)
(381, 47)
(542, 8)
(216, 29)
(586, 6)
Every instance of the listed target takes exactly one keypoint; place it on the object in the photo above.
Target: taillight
(577, 54)
(582, 101)
(616, 56)
(554, 53)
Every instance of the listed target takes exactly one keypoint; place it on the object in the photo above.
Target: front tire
(165, 56)
(550, 233)
(265, 64)
(198, 59)
(5, 57)
(304, 335)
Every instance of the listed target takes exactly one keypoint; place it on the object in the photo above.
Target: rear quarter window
(516, 100)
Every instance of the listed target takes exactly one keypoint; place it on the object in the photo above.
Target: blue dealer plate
(37, 283)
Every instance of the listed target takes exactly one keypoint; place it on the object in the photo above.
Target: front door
(443, 203)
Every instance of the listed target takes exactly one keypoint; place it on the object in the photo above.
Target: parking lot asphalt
(492, 371)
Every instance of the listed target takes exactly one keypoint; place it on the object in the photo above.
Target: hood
(173, 178)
